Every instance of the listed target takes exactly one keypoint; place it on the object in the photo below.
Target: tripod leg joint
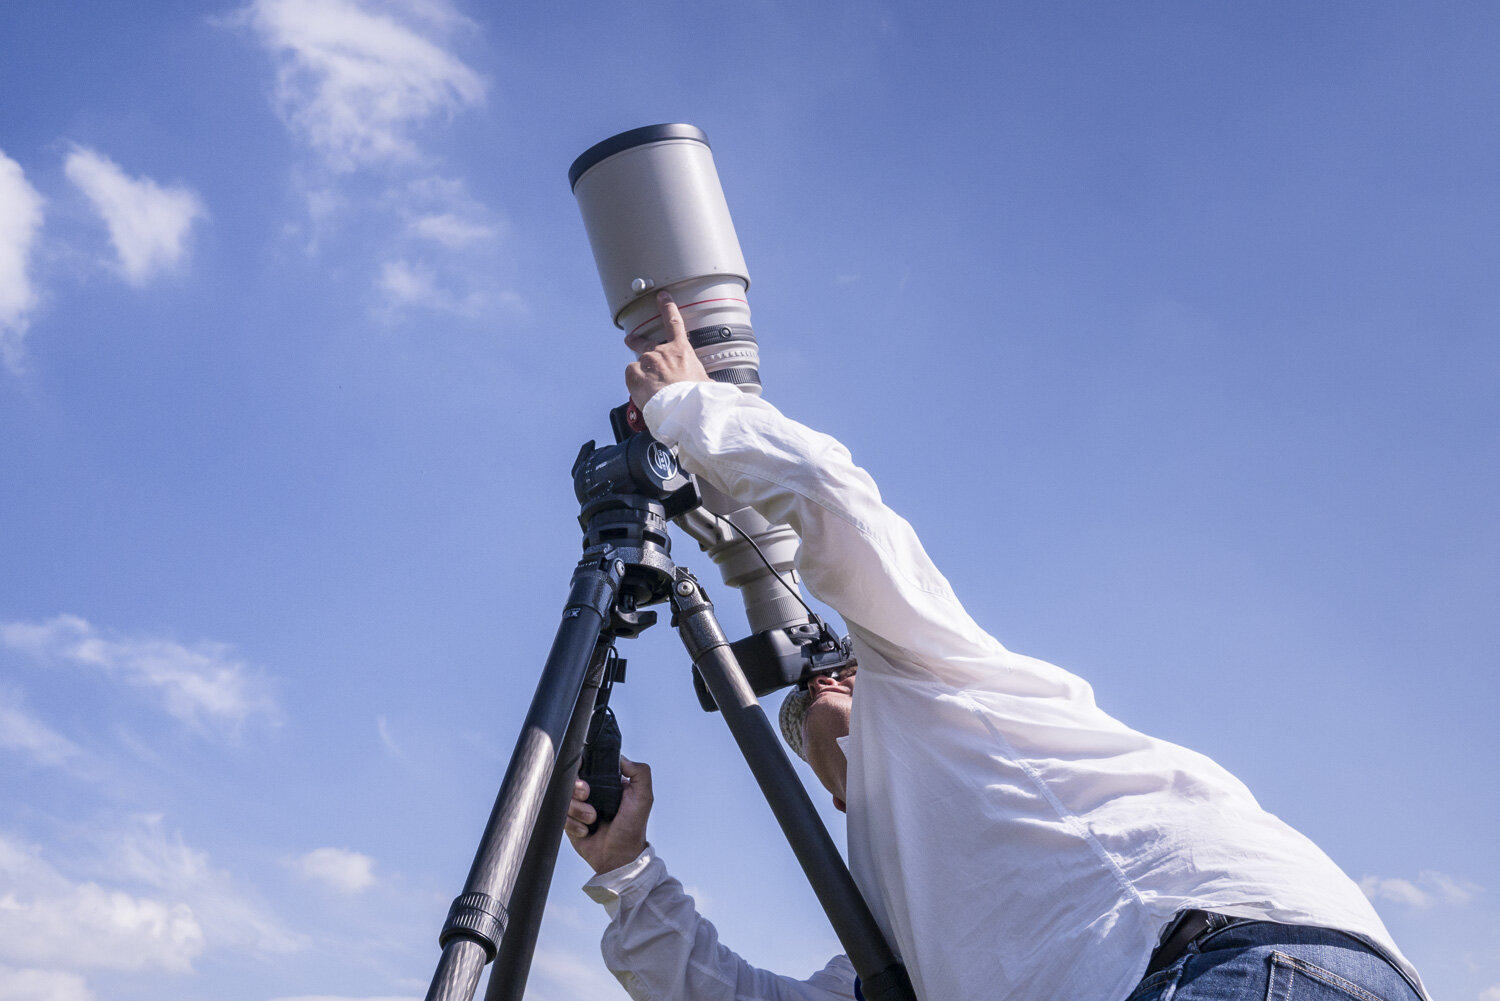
(693, 615)
(477, 916)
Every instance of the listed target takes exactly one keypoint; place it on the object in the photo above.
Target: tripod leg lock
(596, 581)
(477, 916)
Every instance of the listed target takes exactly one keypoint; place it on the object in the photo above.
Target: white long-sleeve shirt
(659, 946)
(1012, 839)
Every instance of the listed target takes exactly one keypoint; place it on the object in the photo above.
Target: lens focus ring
(729, 353)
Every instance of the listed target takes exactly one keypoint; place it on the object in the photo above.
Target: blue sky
(1171, 327)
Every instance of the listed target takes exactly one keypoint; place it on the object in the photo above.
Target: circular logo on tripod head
(661, 460)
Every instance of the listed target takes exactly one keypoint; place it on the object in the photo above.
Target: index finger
(671, 318)
(671, 321)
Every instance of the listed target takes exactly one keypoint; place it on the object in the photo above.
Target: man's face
(827, 720)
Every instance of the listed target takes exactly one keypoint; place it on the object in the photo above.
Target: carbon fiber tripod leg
(881, 974)
(477, 920)
(529, 899)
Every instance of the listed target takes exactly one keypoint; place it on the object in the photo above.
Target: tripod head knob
(626, 420)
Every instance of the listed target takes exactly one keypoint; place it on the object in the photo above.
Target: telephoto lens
(657, 219)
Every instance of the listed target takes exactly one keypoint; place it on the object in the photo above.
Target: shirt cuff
(669, 399)
(631, 879)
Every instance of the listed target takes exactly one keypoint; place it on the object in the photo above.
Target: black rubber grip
(600, 767)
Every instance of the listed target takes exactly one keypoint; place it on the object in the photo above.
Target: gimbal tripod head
(627, 492)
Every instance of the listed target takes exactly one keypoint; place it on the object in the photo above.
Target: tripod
(628, 492)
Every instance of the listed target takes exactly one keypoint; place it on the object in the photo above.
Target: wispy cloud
(20, 731)
(148, 224)
(338, 869)
(144, 853)
(140, 900)
(359, 82)
(42, 985)
(444, 258)
(388, 740)
(561, 975)
(450, 229)
(343, 997)
(407, 283)
(20, 221)
(355, 77)
(204, 686)
(440, 210)
(1428, 889)
(44, 916)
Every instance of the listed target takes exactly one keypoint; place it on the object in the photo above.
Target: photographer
(1012, 839)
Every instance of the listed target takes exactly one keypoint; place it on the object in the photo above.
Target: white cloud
(405, 284)
(1428, 889)
(20, 731)
(1493, 994)
(143, 853)
(1400, 891)
(341, 997)
(20, 221)
(49, 921)
(450, 230)
(338, 868)
(151, 904)
(357, 81)
(203, 685)
(148, 224)
(448, 257)
(42, 985)
(354, 77)
(388, 741)
(559, 975)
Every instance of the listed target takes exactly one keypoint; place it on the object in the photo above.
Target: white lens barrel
(657, 219)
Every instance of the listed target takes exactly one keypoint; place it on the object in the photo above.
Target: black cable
(790, 590)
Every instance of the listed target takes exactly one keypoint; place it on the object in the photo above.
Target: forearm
(661, 949)
(857, 555)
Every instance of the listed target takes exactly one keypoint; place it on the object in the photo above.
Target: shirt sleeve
(661, 949)
(857, 555)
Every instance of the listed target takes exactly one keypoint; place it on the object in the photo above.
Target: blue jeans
(1261, 961)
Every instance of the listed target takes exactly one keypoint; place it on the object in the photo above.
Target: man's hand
(618, 842)
(660, 365)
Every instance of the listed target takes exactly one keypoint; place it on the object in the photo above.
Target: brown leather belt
(1190, 924)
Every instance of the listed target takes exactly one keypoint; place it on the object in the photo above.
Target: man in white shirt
(1012, 839)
